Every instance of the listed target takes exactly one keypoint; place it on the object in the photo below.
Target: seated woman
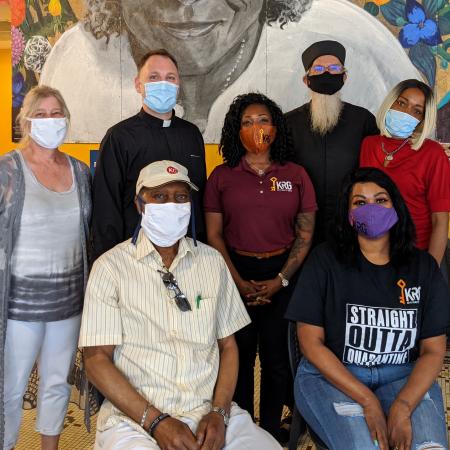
(372, 312)
(418, 166)
(45, 208)
(260, 212)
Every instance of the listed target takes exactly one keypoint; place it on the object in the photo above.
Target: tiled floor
(75, 436)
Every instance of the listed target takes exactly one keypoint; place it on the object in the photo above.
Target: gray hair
(104, 17)
(425, 128)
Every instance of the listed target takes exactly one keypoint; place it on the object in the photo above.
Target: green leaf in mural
(444, 22)
(433, 6)
(423, 58)
(401, 21)
(372, 8)
(442, 50)
(393, 11)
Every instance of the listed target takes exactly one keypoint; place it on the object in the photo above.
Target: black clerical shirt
(328, 158)
(127, 147)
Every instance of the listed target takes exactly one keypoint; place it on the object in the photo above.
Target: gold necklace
(260, 172)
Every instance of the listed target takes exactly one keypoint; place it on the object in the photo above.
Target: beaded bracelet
(144, 414)
(155, 423)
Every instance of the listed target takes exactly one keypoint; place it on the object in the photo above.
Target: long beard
(325, 112)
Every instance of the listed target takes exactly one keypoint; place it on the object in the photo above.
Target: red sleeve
(366, 158)
(212, 200)
(438, 175)
(308, 196)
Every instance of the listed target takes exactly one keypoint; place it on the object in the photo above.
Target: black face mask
(326, 83)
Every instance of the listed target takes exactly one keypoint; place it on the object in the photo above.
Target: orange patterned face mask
(258, 138)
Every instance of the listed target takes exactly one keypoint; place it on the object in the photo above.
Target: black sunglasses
(171, 284)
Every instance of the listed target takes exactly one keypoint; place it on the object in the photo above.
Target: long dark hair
(344, 238)
(230, 145)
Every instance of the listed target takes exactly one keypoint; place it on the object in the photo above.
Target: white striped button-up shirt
(171, 357)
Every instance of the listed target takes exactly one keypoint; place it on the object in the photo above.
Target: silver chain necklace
(390, 155)
(260, 172)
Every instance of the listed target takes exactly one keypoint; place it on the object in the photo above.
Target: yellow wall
(80, 151)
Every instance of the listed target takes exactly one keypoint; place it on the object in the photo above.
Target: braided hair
(231, 147)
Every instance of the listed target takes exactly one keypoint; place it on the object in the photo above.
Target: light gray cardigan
(12, 196)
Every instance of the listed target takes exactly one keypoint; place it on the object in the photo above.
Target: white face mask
(49, 132)
(166, 223)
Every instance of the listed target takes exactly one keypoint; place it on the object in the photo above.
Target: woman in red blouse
(418, 166)
(260, 212)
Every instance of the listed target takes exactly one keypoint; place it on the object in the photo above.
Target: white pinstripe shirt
(171, 357)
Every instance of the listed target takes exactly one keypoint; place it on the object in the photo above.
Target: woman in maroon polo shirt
(260, 211)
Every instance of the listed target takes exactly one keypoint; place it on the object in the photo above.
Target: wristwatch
(223, 413)
(284, 281)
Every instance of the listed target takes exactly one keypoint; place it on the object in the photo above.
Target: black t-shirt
(372, 315)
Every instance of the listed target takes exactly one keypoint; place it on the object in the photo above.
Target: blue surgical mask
(161, 96)
(400, 124)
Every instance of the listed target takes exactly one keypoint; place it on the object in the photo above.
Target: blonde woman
(418, 166)
(45, 209)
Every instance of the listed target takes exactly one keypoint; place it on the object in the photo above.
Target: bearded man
(327, 132)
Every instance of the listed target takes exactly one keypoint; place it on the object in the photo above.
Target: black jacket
(328, 158)
(127, 147)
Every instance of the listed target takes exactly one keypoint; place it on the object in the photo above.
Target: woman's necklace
(236, 64)
(390, 155)
(260, 172)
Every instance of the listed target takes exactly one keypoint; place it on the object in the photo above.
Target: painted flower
(17, 85)
(419, 28)
(17, 45)
(36, 51)
(54, 8)
(17, 12)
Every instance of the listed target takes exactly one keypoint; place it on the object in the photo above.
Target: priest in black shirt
(154, 134)
(327, 132)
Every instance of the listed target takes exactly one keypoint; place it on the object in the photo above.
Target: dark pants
(267, 334)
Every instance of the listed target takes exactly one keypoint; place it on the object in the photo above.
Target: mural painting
(88, 49)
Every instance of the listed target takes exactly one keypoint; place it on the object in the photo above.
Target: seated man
(157, 330)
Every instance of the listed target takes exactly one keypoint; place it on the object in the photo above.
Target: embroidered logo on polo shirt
(408, 296)
(172, 170)
(280, 186)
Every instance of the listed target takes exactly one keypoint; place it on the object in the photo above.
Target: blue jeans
(339, 421)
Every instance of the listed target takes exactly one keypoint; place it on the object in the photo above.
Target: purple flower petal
(17, 83)
(409, 35)
(17, 101)
(414, 12)
(429, 33)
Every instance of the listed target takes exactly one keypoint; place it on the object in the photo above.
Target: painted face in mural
(198, 32)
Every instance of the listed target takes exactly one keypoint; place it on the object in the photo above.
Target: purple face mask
(372, 220)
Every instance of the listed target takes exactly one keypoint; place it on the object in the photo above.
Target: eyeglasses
(332, 68)
(171, 284)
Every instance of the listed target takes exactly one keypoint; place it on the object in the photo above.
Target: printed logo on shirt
(172, 170)
(375, 335)
(280, 186)
(408, 296)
